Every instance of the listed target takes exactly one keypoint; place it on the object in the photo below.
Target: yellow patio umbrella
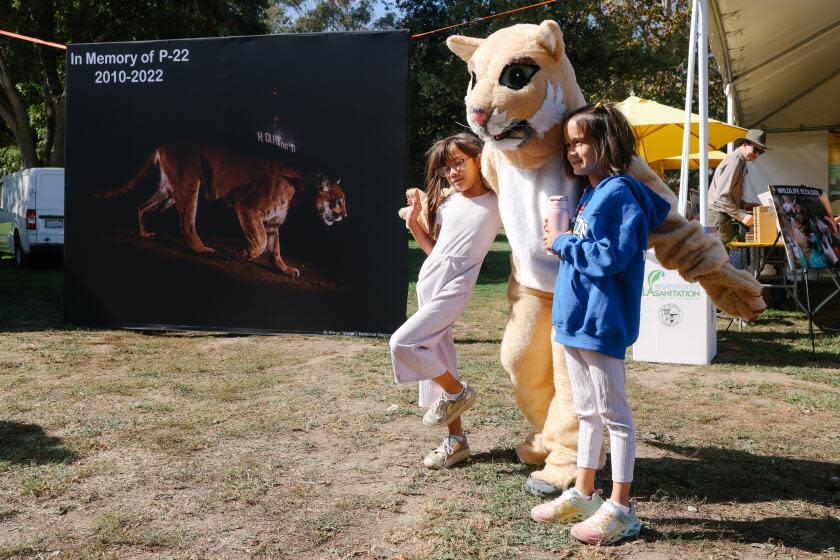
(659, 129)
(671, 163)
(715, 157)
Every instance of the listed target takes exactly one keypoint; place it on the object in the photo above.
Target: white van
(32, 212)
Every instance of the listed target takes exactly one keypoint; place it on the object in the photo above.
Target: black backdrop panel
(249, 123)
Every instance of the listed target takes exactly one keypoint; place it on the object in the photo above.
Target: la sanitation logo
(656, 288)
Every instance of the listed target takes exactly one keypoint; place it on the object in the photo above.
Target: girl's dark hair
(610, 133)
(437, 157)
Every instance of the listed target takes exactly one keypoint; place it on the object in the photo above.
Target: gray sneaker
(452, 451)
(445, 411)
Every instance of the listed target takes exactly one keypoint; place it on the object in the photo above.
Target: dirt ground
(120, 444)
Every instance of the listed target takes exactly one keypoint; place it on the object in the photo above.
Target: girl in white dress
(463, 221)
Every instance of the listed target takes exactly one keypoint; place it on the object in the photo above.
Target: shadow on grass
(717, 475)
(773, 348)
(31, 297)
(185, 333)
(720, 475)
(467, 341)
(496, 268)
(499, 455)
(29, 444)
(813, 535)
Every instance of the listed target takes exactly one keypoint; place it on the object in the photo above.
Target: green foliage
(310, 16)
(37, 72)
(10, 159)
(617, 47)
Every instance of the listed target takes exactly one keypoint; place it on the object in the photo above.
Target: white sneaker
(452, 451)
(608, 525)
(570, 506)
(445, 411)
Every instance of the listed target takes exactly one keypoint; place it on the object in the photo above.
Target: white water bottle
(558, 214)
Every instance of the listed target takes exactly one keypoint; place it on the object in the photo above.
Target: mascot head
(520, 85)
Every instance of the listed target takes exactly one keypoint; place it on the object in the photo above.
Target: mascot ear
(550, 37)
(464, 47)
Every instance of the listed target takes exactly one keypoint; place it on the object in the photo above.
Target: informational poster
(238, 184)
(834, 172)
(808, 230)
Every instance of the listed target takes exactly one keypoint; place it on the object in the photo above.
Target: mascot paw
(531, 451)
(735, 292)
(552, 480)
(541, 488)
(545, 490)
(422, 219)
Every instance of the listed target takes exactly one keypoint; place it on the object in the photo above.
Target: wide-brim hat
(753, 136)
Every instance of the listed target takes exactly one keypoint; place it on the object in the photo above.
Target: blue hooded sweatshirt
(597, 297)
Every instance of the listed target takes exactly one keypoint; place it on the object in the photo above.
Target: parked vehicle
(32, 213)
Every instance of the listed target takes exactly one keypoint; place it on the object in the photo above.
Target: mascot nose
(479, 117)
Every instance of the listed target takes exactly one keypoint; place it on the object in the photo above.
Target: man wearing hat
(725, 202)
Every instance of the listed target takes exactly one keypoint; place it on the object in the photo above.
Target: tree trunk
(54, 102)
(56, 156)
(49, 107)
(14, 115)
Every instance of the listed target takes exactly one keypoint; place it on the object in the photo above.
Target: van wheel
(20, 257)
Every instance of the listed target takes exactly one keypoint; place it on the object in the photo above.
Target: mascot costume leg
(521, 84)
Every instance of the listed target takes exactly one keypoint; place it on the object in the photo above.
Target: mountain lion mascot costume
(521, 85)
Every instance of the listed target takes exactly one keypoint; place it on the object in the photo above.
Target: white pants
(423, 347)
(600, 400)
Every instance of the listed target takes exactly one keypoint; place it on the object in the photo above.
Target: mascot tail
(152, 161)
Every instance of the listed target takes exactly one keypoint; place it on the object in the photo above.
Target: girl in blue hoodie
(596, 314)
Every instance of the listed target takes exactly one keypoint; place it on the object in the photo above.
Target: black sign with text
(238, 184)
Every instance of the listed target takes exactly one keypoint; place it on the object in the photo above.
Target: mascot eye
(517, 76)
(472, 80)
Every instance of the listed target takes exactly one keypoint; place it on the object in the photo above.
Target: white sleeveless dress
(423, 347)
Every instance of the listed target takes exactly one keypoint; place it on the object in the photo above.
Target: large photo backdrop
(246, 183)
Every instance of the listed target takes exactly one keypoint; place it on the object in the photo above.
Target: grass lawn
(123, 444)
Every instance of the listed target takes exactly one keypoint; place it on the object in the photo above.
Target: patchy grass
(120, 444)
(125, 527)
(27, 548)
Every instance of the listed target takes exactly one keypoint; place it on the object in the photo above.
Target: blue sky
(378, 10)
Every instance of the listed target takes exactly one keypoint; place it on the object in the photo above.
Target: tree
(309, 16)
(617, 47)
(9, 154)
(648, 49)
(32, 86)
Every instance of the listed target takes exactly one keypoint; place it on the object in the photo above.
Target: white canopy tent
(781, 63)
(781, 60)
(679, 325)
